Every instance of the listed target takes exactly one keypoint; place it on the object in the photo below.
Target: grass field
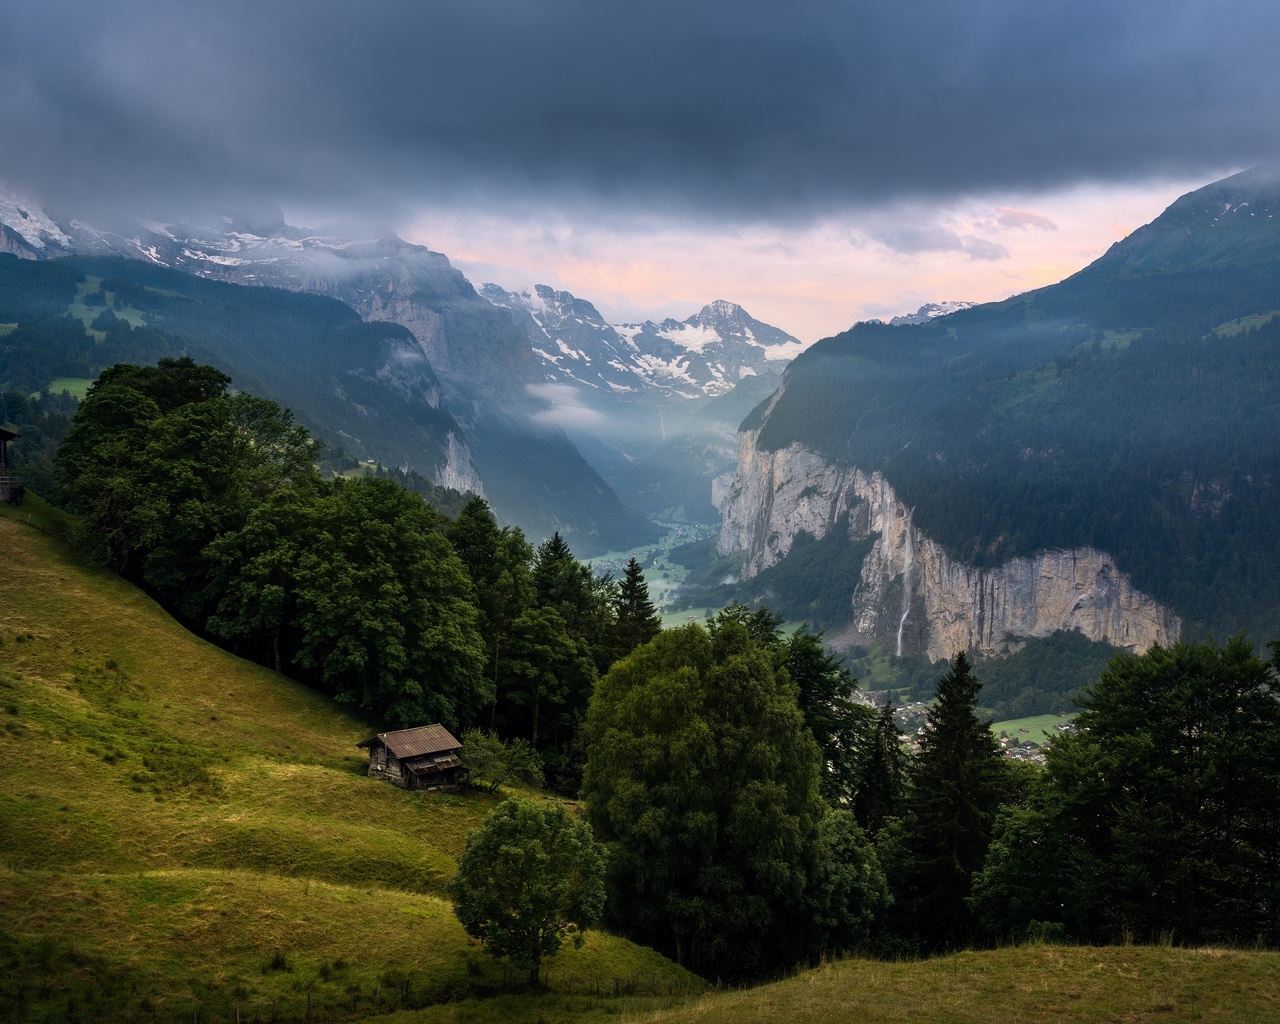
(1038, 727)
(86, 314)
(78, 386)
(1234, 327)
(188, 837)
(1034, 984)
(182, 832)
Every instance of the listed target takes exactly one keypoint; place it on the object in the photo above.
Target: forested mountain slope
(1131, 410)
(364, 386)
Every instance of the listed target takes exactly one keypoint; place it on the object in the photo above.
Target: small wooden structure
(10, 486)
(425, 757)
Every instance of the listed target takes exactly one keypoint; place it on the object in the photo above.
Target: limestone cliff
(911, 594)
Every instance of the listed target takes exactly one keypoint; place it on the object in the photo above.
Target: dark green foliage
(528, 879)
(211, 500)
(1025, 881)
(357, 587)
(548, 673)
(636, 621)
(498, 562)
(491, 762)
(1162, 811)
(849, 889)
(1024, 425)
(160, 460)
(957, 782)
(881, 787)
(385, 609)
(35, 289)
(703, 781)
(42, 419)
(1042, 677)
(843, 728)
(695, 554)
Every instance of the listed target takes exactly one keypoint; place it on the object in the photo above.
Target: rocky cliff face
(911, 595)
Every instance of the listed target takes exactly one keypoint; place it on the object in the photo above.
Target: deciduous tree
(702, 780)
(528, 879)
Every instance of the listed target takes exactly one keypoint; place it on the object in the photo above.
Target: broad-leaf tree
(385, 609)
(702, 780)
(1164, 803)
(528, 879)
(843, 728)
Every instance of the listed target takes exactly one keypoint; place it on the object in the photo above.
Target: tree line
(749, 817)
(211, 500)
(754, 814)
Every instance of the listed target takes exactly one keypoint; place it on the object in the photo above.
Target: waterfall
(906, 590)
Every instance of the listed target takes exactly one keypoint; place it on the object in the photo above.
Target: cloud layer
(740, 111)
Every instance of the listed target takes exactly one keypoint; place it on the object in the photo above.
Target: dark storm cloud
(741, 109)
(910, 241)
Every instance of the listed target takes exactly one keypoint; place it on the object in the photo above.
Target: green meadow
(185, 833)
(185, 836)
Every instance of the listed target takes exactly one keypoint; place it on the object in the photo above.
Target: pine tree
(958, 781)
(879, 796)
(636, 620)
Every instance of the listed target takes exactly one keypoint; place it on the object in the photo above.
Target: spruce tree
(879, 796)
(958, 781)
(636, 620)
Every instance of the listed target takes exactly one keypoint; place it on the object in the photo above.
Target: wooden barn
(10, 486)
(425, 757)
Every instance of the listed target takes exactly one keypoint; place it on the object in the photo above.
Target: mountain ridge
(1043, 422)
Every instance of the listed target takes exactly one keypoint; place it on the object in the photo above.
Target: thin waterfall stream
(906, 591)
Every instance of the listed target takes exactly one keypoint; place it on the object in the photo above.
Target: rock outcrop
(911, 594)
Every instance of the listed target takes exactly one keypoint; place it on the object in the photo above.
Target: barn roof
(423, 739)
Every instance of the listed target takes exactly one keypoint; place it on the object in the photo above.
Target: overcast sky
(817, 162)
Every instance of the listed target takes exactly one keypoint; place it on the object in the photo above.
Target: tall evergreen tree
(957, 784)
(1165, 800)
(498, 561)
(636, 621)
(879, 796)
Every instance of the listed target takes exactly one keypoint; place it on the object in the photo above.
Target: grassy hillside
(1030, 984)
(183, 832)
(184, 835)
(1038, 984)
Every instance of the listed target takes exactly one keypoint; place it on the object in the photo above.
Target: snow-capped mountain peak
(26, 230)
(705, 355)
(929, 311)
